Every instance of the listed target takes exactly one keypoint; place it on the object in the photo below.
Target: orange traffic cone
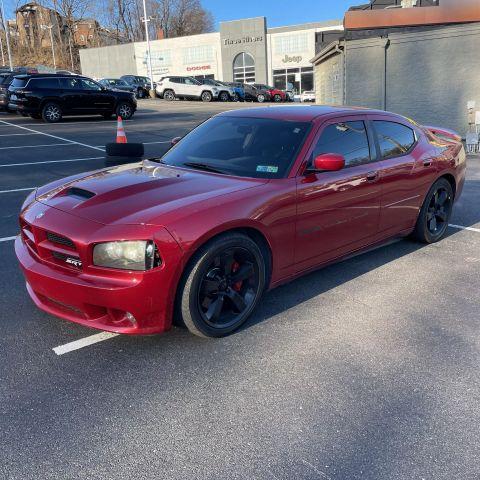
(121, 137)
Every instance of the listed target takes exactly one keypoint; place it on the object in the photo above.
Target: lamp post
(147, 37)
(7, 38)
(1, 48)
(50, 27)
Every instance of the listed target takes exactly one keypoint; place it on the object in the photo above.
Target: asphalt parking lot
(368, 369)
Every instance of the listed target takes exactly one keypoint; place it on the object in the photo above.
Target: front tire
(124, 110)
(277, 98)
(224, 97)
(260, 98)
(51, 113)
(221, 286)
(432, 222)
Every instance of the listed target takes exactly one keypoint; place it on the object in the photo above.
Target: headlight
(128, 255)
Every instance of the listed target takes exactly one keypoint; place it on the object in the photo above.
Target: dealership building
(243, 50)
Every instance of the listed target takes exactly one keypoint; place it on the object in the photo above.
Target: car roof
(301, 113)
(47, 75)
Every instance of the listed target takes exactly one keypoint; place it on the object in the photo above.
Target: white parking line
(84, 342)
(38, 146)
(49, 161)
(49, 135)
(16, 134)
(7, 239)
(470, 229)
(17, 190)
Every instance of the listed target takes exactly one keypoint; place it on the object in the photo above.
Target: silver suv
(172, 87)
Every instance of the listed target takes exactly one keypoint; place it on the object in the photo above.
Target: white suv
(173, 87)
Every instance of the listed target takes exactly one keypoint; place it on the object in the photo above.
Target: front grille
(68, 259)
(54, 238)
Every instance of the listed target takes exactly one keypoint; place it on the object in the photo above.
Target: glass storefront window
(244, 68)
(298, 80)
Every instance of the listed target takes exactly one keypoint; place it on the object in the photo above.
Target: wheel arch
(251, 231)
(450, 179)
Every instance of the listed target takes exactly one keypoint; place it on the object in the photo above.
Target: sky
(278, 12)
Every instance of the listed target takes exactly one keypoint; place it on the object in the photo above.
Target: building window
(297, 80)
(159, 58)
(197, 54)
(287, 44)
(244, 68)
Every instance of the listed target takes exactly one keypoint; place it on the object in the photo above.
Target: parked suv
(173, 87)
(256, 94)
(117, 84)
(6, 78)
(225, 92)
(50, 96)
(142, 84)
(275, 94)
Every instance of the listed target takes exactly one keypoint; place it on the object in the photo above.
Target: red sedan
(248, 200)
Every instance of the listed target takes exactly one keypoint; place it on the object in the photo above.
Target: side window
(48, 83)
(395, 139)
(70, 83)
(349, 139)
(89, 85)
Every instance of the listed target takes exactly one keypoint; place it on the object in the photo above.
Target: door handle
(372, 176)
(428, 162)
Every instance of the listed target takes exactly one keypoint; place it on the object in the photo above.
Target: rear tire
(140, 93)
(432, 222)
(206, 96)
(51, 112)
(260, 98)
(221, 286)
(169, 95)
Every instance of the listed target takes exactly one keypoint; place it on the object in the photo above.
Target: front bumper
(106, 299)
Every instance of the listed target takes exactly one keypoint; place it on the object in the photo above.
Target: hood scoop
(79, 193)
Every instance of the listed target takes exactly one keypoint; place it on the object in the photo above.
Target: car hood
(140, 193)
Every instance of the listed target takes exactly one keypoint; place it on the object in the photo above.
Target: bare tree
(190, 18)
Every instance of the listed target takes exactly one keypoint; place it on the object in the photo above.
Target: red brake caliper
(237, 286)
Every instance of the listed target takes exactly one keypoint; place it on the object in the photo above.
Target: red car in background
(248, 200)
(275, 94)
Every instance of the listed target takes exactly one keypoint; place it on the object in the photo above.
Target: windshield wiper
(203, 166)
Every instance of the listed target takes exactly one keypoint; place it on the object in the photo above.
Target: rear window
(394, 139)
(44, 83)
(19, 82)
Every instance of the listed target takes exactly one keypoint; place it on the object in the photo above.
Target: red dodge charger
(248, 200)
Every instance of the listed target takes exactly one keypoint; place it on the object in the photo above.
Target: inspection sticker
(267, 168)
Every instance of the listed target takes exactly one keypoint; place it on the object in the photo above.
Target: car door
(406, 172)
(97, 99)
(71, 95)
(338, 212)
(192, 88)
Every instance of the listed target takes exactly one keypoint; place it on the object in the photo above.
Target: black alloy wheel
(277, 98)
(223, 286)
(435, 214)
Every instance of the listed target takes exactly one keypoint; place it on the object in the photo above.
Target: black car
(6, 78)
(51, 96)
(142, 84)
(255, 94)
(117, 84)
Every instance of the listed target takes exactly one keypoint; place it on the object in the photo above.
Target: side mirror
(330, 162)
(175, 140)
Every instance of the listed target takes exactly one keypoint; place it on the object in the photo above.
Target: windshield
(246, 147)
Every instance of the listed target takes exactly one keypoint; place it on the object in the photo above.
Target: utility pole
(50, 28)
(147, 37)
(7, 38)
(1, 48)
